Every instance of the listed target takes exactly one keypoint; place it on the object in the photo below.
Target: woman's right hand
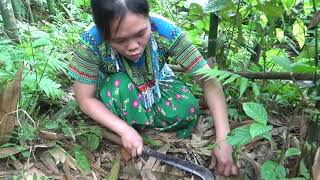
(132, 141)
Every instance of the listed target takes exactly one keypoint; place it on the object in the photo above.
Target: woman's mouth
(134, 56)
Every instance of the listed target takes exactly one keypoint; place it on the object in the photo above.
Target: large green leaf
(283, 62)
(288, 4)
(270, 9)
(244, 83)
(299, 32)
(256, 112)
(300, 67)
(271, 170)
(239, 137)
(257, 129)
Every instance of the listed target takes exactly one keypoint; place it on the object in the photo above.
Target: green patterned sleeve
(84, 66)
(186, 54)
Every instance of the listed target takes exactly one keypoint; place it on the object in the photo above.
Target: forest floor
(49, 157)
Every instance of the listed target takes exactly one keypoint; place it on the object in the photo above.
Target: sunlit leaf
(280, 34)
(292, 152)
(256, 111)
(288, 4)
(299, 31)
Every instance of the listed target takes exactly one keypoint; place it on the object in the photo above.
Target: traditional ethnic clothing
(145, 93)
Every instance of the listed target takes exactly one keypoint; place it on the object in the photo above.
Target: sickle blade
(200, 171)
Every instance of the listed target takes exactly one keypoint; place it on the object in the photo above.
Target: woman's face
(132, 35)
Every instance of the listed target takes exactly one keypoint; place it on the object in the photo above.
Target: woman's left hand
(221, 160)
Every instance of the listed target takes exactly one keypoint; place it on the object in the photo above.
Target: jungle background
(265, 54)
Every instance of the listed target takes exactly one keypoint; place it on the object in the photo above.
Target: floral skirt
(177, 110)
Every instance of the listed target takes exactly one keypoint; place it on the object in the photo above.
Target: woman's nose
(133, 45)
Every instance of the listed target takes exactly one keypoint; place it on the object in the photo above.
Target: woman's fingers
(234, 170)
(139, 149)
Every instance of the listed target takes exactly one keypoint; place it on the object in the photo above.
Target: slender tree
(16, 9)
(51, 7)
(10, 22)
(29, 11)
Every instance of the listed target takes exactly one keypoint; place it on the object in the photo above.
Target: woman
(123, 82)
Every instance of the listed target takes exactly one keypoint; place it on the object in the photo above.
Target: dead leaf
(48, 161)
(8, 104)
(146, 174)
(315, 20)
(59, 154)
(152, 161)
(34, 173)
(125, 154)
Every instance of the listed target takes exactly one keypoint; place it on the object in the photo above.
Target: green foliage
(292, 152)
(245, 134)
(271, 170)
(81, 159)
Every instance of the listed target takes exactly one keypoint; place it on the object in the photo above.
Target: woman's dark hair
(105, 11)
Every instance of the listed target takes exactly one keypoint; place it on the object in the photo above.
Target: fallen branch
(266, 75)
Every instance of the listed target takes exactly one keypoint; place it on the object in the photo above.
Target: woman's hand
(221, 160)
(132, 141)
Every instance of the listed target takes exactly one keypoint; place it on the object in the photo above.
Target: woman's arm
(215, 99)
(86, 97)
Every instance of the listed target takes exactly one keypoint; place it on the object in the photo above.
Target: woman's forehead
(129, 25)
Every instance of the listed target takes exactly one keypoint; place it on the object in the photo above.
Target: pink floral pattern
(116, 83)
(135, 103)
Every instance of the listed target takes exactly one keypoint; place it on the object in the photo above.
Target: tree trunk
(29, 11)
(212, 41)
(9, 21)
(51, 7)
(16, 9)
(313, 139)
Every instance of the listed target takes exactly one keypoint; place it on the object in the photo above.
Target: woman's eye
(120, 41)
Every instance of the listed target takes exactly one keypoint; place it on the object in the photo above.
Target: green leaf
(256, 89)
(301, 67)
(271, 10)
(257, 129)
(280, 34)
(271, 170)
(288, 4)
(217, 5)
(93, 141)
(256, 112)
(244, 83)
(303, 170)
(232, 78)
(283, 62)
(212, 146)
(239, 137)
(151, 141)
(81, 159)
(299, 32)
(292, 152)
